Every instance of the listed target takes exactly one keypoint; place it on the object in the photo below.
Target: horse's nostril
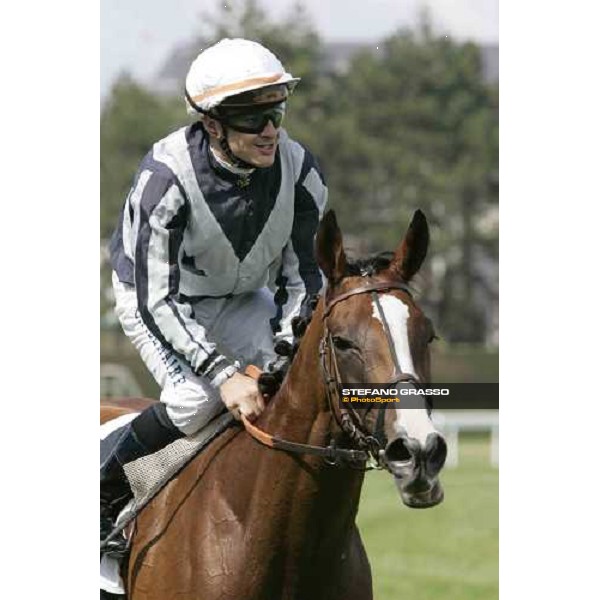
(436, 451)
(398, 451)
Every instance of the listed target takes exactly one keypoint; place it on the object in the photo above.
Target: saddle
(149, 474)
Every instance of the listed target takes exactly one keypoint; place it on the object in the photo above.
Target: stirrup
(118, 546)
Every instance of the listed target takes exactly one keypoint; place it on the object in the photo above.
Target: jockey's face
(257, 148)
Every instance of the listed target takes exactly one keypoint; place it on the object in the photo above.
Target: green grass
(450, 551)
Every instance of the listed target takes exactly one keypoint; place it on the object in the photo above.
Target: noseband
(346, 416)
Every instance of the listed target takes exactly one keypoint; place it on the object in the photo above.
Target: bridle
(369, 444)
(346, 416)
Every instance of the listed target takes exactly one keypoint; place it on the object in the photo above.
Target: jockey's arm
(162, 220)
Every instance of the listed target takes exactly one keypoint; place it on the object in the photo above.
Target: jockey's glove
(284, 349)
(270, 380)
(301, 321)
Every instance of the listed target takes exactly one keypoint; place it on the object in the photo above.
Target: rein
(331, 453)
(370, 444)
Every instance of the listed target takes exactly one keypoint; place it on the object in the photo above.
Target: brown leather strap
(253, 371)
(258, 434)
(363, 289)
(330, 453)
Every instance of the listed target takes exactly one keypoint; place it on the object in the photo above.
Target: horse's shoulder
(111, 408)
(210, 465)
(211, 454)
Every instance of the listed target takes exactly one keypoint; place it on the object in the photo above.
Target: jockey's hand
(241, 396)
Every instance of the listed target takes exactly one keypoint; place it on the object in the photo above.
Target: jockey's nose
(270, 130)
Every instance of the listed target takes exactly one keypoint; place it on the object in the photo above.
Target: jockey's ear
(212, 126)
(411, 251)
(330, 249)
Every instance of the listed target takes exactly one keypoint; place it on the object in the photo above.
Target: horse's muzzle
(415, 469)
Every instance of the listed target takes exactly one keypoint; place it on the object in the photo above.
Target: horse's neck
(321, 501)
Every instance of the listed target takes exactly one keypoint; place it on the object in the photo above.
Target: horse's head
(376, 333)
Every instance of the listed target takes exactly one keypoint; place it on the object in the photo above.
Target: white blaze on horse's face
(415, 421)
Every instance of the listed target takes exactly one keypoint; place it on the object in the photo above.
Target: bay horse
(245, 521)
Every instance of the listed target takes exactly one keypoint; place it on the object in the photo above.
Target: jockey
(213, 254)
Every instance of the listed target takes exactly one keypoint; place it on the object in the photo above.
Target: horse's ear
(411, 251)
(330, 249)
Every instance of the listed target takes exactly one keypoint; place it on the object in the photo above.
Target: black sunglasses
(252, 120)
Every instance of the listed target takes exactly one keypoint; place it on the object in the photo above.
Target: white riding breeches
(239, 326)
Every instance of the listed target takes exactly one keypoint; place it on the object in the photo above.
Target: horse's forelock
(371, 265)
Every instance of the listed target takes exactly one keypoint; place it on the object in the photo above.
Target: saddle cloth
(149, 474)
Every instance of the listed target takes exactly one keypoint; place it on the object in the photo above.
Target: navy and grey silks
(190, 229)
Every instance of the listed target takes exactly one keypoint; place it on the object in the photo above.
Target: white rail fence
(452, 423)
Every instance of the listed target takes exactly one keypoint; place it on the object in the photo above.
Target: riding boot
(149, 432)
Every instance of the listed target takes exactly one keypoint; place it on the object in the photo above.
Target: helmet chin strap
(231, 157)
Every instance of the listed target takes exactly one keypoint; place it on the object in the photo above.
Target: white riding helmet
(229, 68)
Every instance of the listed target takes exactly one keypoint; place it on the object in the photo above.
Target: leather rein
(370, 444)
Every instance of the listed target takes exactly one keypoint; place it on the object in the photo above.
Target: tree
(415, 125)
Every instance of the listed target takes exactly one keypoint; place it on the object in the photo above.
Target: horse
(269, 521)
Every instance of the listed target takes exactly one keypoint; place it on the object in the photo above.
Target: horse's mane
(371, 265)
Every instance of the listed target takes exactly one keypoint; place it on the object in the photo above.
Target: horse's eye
(342, 343)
